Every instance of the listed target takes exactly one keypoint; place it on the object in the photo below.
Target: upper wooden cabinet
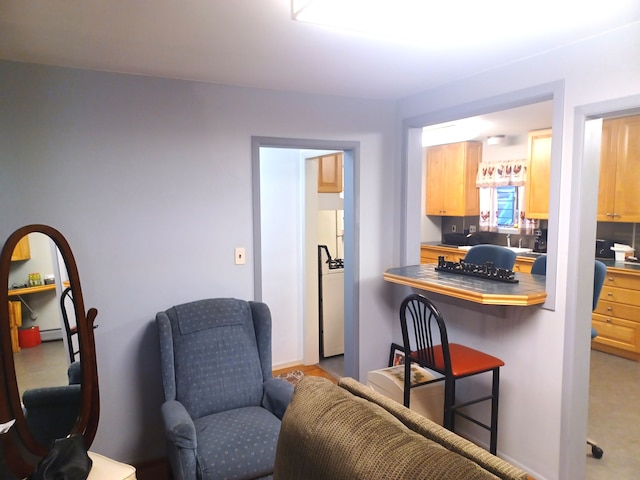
(451, 179)
(22, 250)
(619, 170)
(330, 173)
(538, 174)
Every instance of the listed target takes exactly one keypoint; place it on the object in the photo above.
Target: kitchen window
(507, 206)
(501, 186)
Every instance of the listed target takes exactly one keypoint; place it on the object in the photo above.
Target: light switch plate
(472, 229)
(453, 228)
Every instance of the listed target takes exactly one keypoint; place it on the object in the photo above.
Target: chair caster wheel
(597, 452)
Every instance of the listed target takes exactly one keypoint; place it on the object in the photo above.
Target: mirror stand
(23, 447)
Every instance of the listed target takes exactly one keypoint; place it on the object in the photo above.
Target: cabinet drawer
(621, 280)
(523, 267)
(618, 310)
(616, 332)
(431, 254)
(620, 295)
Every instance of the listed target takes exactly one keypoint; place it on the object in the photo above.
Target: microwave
(603, 248)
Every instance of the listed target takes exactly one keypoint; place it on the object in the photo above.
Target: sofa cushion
(329, 433)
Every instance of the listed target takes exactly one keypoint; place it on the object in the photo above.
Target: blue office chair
(501, 257)
(539, 267)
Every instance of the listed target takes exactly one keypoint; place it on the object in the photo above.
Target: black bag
(67, 459)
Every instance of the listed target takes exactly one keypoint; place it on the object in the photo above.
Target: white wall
(545, 379)
(282, 255)
(150, 181)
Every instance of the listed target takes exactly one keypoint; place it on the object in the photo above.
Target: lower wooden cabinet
(430, 253)
(617, 315)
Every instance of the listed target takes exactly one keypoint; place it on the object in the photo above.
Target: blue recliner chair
(223, 408)
(51, 412)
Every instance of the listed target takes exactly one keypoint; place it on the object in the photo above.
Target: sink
(513, 249)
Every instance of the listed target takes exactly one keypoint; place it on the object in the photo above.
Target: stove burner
(335, 263)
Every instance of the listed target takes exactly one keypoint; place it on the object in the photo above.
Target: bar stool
(422, 328)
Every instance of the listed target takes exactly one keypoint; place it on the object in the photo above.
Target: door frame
(351, 157)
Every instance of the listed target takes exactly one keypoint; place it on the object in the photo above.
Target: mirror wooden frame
(21, 450)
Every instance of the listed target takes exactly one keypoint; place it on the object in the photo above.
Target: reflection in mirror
(38, 289)
(48, 374)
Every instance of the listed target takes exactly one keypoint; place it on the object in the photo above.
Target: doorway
(285, 263)
(612, 380)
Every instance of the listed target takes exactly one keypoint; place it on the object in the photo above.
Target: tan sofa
(352, 432)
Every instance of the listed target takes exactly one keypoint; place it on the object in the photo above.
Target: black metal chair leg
(495, 390)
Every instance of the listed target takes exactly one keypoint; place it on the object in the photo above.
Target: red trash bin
(29, 337)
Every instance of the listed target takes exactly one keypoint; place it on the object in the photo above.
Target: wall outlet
(472, 229)
(453, 228)
(240, 257)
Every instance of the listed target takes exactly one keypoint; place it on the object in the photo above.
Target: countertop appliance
(331, 303)
(603, 248)
(540, 243)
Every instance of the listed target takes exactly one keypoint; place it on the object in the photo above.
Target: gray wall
(150, 181)
(543, 406)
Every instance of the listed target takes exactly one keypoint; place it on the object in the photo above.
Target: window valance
(498, 174)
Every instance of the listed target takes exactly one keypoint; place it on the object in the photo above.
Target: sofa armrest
(277, 396)
(178, 425)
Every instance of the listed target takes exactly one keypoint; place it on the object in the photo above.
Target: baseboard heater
(51, 335)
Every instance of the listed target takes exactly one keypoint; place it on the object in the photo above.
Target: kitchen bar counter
(530, 290)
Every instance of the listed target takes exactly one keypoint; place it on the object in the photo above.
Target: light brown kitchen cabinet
(619, 170)
(330, 173)
(430, 253)
(538, 174)
(617, 315)
(451, 179)
(22, 250)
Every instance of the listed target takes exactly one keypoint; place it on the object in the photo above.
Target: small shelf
(16, 292)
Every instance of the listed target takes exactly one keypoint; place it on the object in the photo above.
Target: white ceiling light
(496, 140)
(456, 22)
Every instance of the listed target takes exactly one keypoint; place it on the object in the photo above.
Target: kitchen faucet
(508, 239)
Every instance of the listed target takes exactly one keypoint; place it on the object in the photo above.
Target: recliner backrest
(216, 362)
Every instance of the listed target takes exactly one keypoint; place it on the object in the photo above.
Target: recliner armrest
(277, 396)
(178, 425)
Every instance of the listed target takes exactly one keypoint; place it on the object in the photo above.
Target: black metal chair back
(70, 331)
(424, 336)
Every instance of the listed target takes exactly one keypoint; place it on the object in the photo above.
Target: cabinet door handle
(609, 309)
(608, 320)
(609, 294)
(610, 214)
(610, 279)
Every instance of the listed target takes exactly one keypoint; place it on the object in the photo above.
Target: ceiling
(254, 43)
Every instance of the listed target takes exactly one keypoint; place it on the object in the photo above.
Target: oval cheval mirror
(48, 371)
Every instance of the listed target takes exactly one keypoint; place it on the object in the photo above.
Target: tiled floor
(614, 417)
(44, 365)
(333, 365)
